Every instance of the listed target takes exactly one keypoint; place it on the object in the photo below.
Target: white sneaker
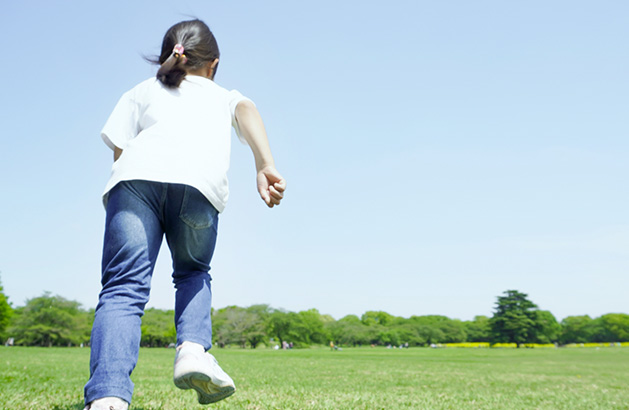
(198, 370)
(107, 403)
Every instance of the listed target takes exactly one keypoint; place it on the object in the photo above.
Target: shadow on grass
(81, 406)
(76, 406)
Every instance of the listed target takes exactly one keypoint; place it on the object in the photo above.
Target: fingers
(272, 196)
(271, 186)
(275, 195)
(280, 185)
(266, 197)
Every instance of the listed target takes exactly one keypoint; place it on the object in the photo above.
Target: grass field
(366, 378)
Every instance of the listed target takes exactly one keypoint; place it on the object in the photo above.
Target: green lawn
(366, 378)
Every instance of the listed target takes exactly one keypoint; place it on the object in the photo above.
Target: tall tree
(514, 318)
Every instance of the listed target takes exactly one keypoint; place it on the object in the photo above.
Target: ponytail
(172, 72)
(200, 47)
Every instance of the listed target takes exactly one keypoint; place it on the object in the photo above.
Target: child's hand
(271, 186)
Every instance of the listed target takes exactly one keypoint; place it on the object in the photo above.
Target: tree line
(50, 320)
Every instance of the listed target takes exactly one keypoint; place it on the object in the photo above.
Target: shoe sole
(199, 382)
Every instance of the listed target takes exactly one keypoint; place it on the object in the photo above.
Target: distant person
(171, 141)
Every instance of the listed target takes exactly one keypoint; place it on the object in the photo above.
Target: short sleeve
(122, 125)
(234, 98)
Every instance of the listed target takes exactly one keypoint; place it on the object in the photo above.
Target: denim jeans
(139, 214)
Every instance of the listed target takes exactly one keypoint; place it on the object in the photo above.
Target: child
(171, 141)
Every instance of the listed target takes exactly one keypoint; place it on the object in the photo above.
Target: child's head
(199, 50)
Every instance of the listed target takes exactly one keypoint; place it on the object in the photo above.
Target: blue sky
(437, 153)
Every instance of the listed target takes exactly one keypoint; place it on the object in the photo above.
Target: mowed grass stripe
(364, 378)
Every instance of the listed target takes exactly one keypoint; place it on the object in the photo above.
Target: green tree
(256, 333)
(237, 325)
(431, 329)
(514, 319)
(279, 325)
(350, 331)
(50, 321)
(478, 330)
(158, 328)
(6, 312)
(397, 335)
(576, 329)
(453, 330)
(372, 318)
(612, 327)
(546, 328)
(418, 335)
(302, 329)
(309, 328)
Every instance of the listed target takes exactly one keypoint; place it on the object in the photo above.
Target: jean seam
(126, 185)
(162, 201)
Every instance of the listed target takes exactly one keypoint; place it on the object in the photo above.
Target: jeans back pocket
(196, 211)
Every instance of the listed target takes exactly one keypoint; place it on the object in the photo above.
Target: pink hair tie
(178, 49)
(178, 52)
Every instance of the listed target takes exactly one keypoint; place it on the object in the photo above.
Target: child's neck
(206, 71)
(200, 72)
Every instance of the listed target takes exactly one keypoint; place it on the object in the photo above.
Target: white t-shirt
(180, 135)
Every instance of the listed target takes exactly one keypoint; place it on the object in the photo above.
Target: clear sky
(436, 153)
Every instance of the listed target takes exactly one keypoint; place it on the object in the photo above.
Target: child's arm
(271, 185)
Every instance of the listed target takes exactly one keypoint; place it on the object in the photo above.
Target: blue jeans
(139, 214)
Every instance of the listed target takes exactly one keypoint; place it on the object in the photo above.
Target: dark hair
(200, 48)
